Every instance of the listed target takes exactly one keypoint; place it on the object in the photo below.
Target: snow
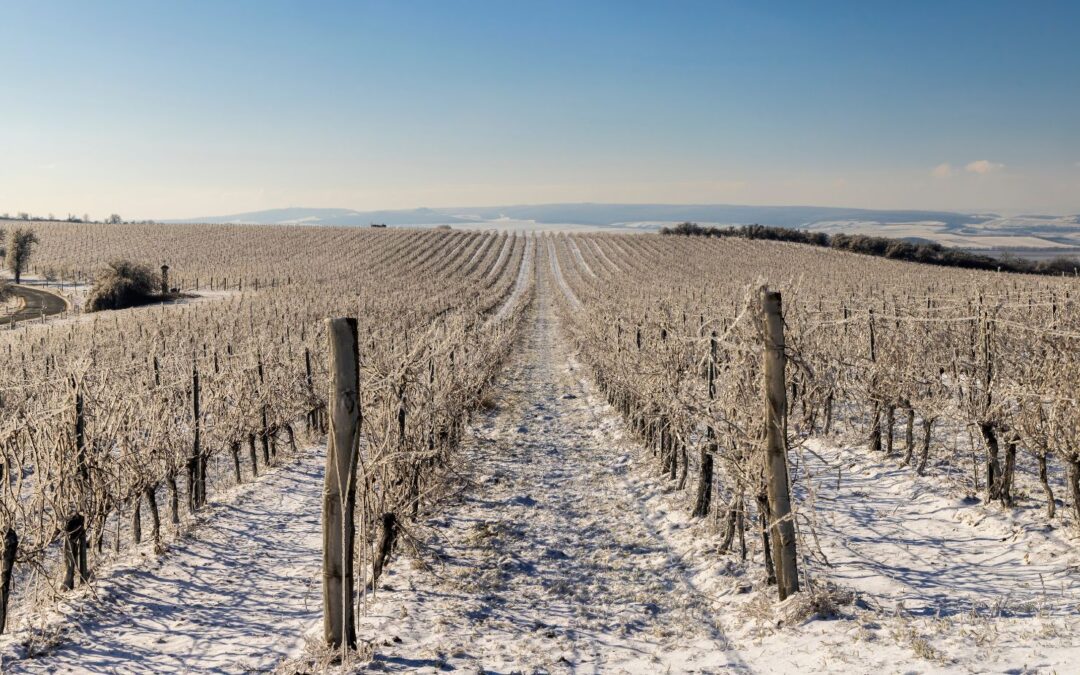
(233, 596)
(903, 538)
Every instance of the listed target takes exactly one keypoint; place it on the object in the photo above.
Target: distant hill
(310, 216)
(964, 230)
(603, 215)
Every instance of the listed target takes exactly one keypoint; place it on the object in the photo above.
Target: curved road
(36, 302)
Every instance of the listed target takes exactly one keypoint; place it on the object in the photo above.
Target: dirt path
(549, 561)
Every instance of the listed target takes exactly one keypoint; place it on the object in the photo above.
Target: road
(36, 302)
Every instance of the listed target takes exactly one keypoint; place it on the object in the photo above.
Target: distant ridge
(976, 231)
(315, 216)
(597, 214)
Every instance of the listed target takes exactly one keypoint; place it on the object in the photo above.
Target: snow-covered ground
(235, 595)
(564, 551)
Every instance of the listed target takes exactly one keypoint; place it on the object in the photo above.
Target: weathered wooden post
(265, 433)
(196, 464)
(252, 456)
(781, 525)
(875, 420)
(704, 493)
(11, 547)
(310, 418)
(164, 279)
(339, 493)
(75, 529)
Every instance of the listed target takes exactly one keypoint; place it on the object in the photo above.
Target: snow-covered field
(561, 550)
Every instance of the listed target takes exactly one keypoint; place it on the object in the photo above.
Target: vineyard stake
(339, 493)
(782, 525)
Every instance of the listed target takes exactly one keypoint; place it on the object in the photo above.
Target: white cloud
(943, 170)
(984, 166)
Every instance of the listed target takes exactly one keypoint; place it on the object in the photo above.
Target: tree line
(930, 253)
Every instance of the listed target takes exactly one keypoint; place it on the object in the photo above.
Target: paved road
(36, 301)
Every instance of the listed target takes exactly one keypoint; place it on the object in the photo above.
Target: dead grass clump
(919, 645)
(488, 403)
(317, 657)
(42, 641)
(819, 602)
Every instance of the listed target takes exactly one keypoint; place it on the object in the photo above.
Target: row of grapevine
(120, 416)
(900, 353)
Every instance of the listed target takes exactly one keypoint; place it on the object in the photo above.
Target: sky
(172, 110)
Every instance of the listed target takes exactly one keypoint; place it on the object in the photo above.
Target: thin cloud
(943, 170)
(984, 166)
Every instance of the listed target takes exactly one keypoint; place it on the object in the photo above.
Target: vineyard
(637, 453)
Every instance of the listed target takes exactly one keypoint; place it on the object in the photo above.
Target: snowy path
(550, 560)
(234, 597)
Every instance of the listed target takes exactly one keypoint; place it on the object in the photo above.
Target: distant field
(1032, 253)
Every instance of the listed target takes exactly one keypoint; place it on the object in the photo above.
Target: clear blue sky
(159, 110)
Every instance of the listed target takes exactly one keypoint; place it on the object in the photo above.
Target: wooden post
(311, 388)
(196, 470)
(705, 480)
(155, 517)
(174, 499)
(264, 435)
(11, 547)
(339, 493)
(781, 525)
(252, 456)
(234, 448)
(875, 417)
(75, 530)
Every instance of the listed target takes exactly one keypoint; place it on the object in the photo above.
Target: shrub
(123, 283)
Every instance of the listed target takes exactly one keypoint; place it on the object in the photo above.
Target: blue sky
(162, 110)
